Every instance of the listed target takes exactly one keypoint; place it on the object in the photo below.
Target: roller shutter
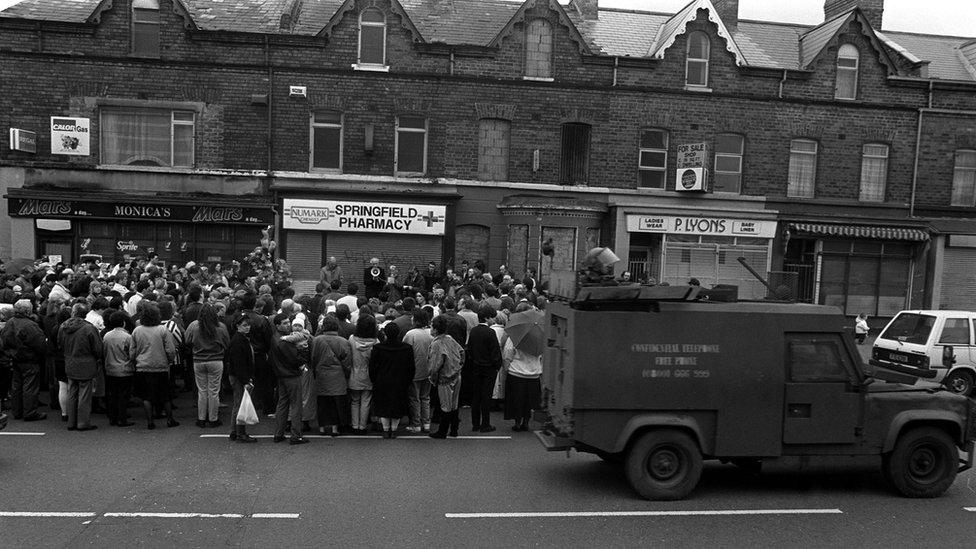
(304, 256)
(959, 279)
(354, 250)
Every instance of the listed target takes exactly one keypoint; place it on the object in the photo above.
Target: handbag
(247, 415)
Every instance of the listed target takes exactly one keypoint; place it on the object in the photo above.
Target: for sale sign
(70, 136)
(691, 155)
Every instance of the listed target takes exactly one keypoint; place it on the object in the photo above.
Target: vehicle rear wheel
(664, 465)
(923, 463)
(960, 382)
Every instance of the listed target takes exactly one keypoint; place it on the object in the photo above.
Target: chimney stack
(589, 10)
(728, 12)
(872, 9)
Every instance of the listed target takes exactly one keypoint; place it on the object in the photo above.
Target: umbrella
(527, 332)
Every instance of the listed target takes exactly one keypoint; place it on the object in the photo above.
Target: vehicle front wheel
(664, 465)
(959, 382)
(923, 464)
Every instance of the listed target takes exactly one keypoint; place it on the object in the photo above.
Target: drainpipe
(616, 63)
(781, 82)
(918, 147)
(452, 63)
(267, 62)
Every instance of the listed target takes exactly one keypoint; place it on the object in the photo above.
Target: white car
(936, 345)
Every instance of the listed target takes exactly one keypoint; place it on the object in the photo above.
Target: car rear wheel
(664, 465)
(923, 463)
(960, 382)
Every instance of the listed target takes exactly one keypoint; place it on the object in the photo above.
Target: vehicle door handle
(798, 410)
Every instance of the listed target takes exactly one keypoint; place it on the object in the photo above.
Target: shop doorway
(55, 238)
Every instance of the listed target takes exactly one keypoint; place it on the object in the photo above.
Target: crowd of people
(408, 351)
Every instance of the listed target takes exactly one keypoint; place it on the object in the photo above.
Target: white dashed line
(45, 514)
(174, 515)
(275, 515)
(970, 509)
(20, 434)
(718, 512)
(375, 437)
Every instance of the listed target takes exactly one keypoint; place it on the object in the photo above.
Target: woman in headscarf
(391, 368)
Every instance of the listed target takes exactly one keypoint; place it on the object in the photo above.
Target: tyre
(664, 465)
(923, 464)
(960, 382)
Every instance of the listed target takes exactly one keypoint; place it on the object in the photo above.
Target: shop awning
(861, 231)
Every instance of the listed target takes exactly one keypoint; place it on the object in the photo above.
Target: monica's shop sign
(365, 217)
(695, 225)
(35, 207)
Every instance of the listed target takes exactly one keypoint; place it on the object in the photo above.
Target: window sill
(846, 99)
(538, 79)
(409, 174)
(370, 67)
(131, 168)
(700, 89)
(325, 170)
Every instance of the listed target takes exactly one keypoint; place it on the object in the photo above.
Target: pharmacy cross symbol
(430, 218)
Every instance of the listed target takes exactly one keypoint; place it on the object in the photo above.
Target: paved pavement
(168, 487)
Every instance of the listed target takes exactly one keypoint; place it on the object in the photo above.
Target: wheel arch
(929, 418)
(637, 426)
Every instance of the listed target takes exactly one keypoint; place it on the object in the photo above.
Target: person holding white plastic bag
(239, 362)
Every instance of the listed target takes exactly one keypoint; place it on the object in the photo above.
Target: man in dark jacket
(239, 363)
(374, 278)
(483, 359)
(288, 366)
(261, 337)
(82, 350)
(23, 341)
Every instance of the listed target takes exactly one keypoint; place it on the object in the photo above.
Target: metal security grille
(958, 280)
(716, 263)
(574, 166)
(305, 259)
(354, 250)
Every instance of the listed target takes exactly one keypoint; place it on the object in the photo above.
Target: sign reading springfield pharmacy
(70, 136)
(713, 226)
(363, 217)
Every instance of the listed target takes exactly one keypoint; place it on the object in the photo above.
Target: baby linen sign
(363, 217)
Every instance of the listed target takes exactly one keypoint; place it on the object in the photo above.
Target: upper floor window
(728, 163)
(575, 162)
(874, 172)
(411, 145)
(538, 49)
(803, 168)
(696, 64)
(372, 37)
(964, 179)
(147, 137)
(145, 28)
(494, 141)
(847, 61)
(653, 158)
(325, 150)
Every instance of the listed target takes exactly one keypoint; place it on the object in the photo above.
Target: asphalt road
(418, 492)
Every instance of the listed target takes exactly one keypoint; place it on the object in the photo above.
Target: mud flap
(967, 462)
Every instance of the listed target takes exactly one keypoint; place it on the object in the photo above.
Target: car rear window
(910, 328)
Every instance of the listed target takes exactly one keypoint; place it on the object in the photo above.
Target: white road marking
(174, 515)
(648, 513)
(21, 434)
(970, 509)
(401, 437)
(45, 514)
(72, 514)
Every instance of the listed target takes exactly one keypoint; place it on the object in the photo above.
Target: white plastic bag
(247, 415)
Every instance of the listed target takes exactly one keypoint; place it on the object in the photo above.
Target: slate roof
(617, 32)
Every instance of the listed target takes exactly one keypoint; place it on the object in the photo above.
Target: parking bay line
(717, 512)
(377, 437)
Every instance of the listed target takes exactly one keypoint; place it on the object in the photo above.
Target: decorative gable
(357, 5)
(677, 25)
(554, 6)
(816, 40)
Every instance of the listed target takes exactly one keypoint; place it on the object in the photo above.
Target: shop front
(673, 249)
(870, 269)
(116, 228)
(402, 234)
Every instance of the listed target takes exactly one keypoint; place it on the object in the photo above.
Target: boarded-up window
(494, 139)
(574, 166)
(538, 49)
(518, 249)
(471, 243)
